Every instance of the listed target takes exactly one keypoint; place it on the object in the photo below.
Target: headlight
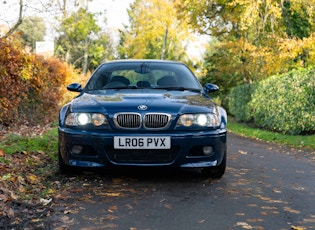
(203, 119)
(78, 119)
(83, 118)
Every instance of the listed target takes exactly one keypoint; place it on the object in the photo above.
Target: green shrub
(286, 103)
(240, 97)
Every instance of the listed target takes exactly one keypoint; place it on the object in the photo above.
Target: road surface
(266, 186)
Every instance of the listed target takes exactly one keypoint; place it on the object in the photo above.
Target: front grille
(128, 120)
(142, 156)
(134, 120)
(156, 120)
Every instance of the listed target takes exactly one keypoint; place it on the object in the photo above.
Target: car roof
(144, 60)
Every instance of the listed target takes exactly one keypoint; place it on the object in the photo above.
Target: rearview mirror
(210, 88)
(74, 87)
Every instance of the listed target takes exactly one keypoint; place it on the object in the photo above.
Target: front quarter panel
(223, 116)
(62, 114)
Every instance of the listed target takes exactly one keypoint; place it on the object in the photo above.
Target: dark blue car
(145, 113)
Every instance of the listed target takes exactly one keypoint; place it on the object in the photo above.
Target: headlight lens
(203, 119)
(80, 119)
(83, 118)
(98, 119)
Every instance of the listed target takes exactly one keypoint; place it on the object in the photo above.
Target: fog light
(207, 150)
(76, 149)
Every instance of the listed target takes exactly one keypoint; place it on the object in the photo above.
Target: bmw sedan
(143, 113)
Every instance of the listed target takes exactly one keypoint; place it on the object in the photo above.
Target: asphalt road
(265, 187)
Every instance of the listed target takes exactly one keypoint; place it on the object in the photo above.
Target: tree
(256, 39)
(32, 29)
(296, 20)
(154, 32)
(81, 38)
(19, 21)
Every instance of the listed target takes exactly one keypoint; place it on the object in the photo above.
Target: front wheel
(216, 171)
(63, 168)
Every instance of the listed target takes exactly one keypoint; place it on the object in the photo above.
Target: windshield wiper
(122, 87)
(179, 88)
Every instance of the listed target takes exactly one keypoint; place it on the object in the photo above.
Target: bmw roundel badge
(142, 107)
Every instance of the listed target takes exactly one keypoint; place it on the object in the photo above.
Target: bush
(240, 97)
(46, 90)
(13, 80)
(286, 103)
(32, 87)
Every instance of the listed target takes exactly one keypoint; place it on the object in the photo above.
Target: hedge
(32, 86)
(238, 102)
(284, 103)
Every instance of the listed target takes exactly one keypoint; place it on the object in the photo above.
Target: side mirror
(74, 87)
(210, 88)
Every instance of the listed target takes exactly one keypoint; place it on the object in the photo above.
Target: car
(143, 113)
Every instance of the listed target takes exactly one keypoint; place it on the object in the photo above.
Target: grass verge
(296, 141)
(26, 162)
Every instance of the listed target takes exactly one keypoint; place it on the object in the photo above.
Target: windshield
(143, 74)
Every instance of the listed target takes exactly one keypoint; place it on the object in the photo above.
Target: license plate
(124, 142)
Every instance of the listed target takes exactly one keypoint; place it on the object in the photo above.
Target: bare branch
(18, 23)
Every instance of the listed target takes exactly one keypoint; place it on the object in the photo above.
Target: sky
(115, 12)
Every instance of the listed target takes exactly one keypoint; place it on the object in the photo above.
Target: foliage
(239, 99)
(45, 89)
(32, 87)
(31, 30)
(296, 20)
(82, 43)
(14, 72)
(256, 39)
(163, 37)
(232, 63)
(286, 103)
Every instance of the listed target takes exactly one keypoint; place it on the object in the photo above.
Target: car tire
(216, 171)
(63, 168)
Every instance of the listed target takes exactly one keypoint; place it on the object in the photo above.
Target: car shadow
(144, 174)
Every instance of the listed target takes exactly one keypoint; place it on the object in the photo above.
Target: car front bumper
(95, 149)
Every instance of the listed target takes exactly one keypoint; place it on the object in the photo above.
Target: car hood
(153, 100)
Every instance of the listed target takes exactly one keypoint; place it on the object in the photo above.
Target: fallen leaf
(242, 152)
(168, 206)
(70, 211)
(35, 220)
(252, 205)
(297, 228)
(32, 177)
(288, 209)
(45, 201)
(129, 206)
(67, 220)
(2, 153)
(112, 209)
(276, 191)
(113, 194)
(240, 214)
(244, 225)
(255, 220)
(6, 176)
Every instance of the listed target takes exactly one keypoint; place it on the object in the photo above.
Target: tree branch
(18, 23)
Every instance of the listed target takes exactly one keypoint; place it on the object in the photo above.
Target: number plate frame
(143, 142)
